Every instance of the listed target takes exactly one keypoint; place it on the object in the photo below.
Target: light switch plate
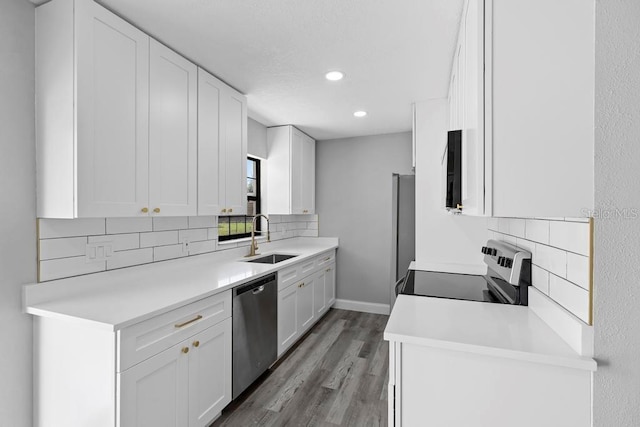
(98, 251)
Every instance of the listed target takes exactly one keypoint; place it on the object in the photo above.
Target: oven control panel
(506, 260)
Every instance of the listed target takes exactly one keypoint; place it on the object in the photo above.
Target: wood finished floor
(336, 376)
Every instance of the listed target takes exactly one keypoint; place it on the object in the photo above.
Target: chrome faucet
(254, 244)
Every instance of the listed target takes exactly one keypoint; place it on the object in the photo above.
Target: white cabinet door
(472, 109)
(233, 170)
(209, 134)
(303, 175)
(297, 165)
(308, 177)
(319, 293)
(172, 133)
(330, 284)
(209, 373)
(222, 148)
(288, 330)
(290, 171)
(306, 313)
(112, 107)
(154, 392)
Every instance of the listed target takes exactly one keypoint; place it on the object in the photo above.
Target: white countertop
(499, 330)
(115, 299)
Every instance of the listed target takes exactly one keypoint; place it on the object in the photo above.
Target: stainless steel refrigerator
(403, 234)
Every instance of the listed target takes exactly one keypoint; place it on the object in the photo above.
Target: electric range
(506, 282)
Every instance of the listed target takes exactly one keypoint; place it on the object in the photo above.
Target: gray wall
(617, 240)
(353, 202)
(17, 207)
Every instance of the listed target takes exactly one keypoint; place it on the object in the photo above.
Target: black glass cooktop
(451, 286)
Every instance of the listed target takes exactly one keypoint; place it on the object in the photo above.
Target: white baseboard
(365, 307)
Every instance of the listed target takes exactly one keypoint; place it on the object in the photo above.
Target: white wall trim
(365, 307)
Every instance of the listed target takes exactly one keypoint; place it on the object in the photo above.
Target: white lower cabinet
(304, 295)
(187, 384)
(319, 300)
(330, 285)
(324, 289)
(210, 373)
(442, 387)
(171, 370)
(154, 392)
(288, 331)
(306, 291)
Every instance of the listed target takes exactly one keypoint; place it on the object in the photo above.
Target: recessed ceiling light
(334, 76)
(360, 113)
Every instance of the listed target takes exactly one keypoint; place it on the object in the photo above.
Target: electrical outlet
(98, 251)
(185, 246)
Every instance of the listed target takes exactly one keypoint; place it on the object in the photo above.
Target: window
(239, 226)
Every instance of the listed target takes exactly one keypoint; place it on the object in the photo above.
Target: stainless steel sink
(273, 258)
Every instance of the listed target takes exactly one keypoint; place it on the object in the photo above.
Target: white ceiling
(393, 52)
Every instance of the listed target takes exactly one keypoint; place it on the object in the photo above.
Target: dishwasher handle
(254, 285)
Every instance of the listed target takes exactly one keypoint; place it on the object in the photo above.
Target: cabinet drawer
(145, 339)
(307, 267)
(288, 276)
(326, 259)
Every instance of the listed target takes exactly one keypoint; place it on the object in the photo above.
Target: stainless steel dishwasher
(255, 330)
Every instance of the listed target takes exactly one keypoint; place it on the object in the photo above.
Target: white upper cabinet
(233, 182)
(525, 107)
(466, 95)
(209, 130)
(290, 171)
(92, 102)
(118, 120)
(540, 108)
(173, 141)
(222, 148)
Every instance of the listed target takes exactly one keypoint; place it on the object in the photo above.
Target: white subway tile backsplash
(135, 241)
(52, 228)
(517, 227)
(503, 225)
(274, 219)
(572, 297)
(560, 256)
(128, 225)
(159, 238)
(212, 233)
(527, 245)
(509, 239)
(162, 253)
(205, 246)
(540, 279)
(537, 230)
(67, 267)
(551, 259)
(193, 235)
(578, 269)
(128, 258)
(202, 221)
(62, 248)
(165, 223)
(119, 242)
(572, 236)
